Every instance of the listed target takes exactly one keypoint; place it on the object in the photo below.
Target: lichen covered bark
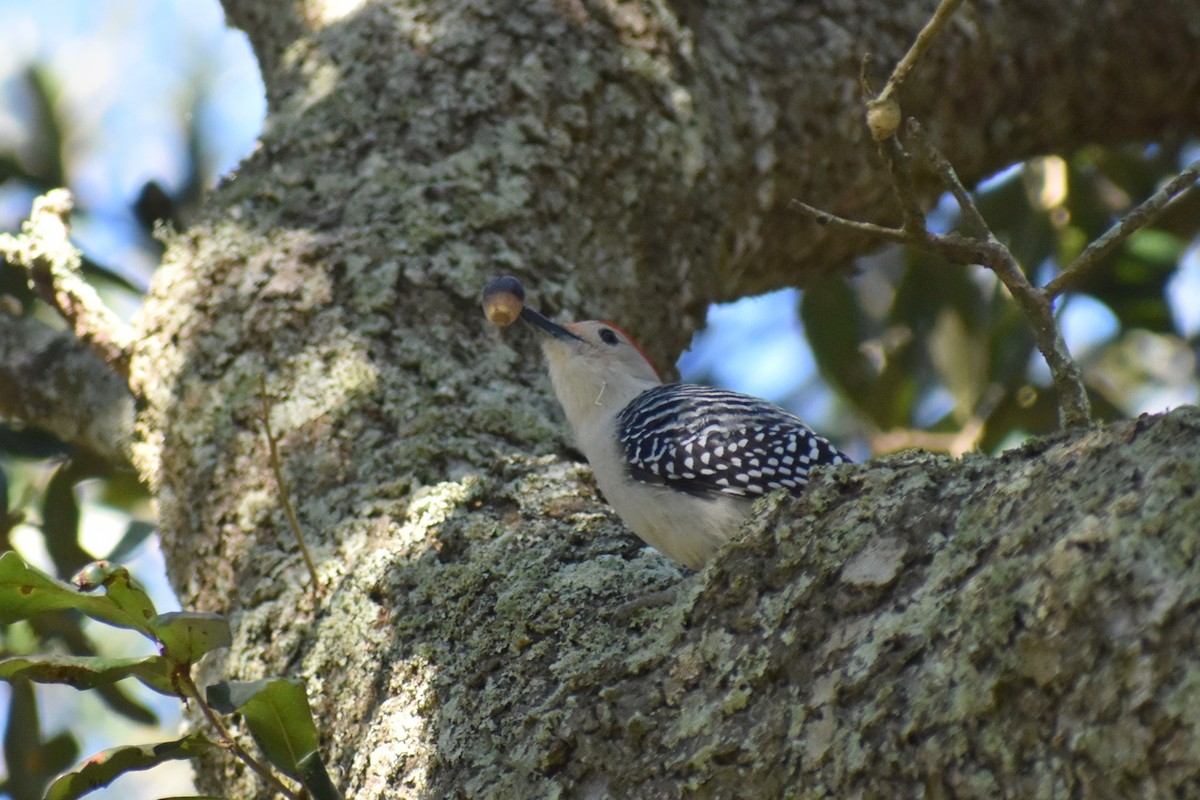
(474, 637)
(916, 627)
(1018, 627)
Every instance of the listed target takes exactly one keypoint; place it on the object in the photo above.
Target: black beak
(546, 326)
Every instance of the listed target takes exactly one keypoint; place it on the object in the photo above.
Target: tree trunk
(1012, 627)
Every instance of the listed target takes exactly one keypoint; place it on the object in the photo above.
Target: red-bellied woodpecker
(681, 464)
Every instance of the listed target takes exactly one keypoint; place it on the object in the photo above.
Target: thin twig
(900, 170)
(920, 46)
(898, 235)
(883, 110)
(883, 118)
(281, 484)
(192, 692)
(989, 251)
(950, 178)
(892, 152)
(1144, 214)
(44, 249)
(1068, 378)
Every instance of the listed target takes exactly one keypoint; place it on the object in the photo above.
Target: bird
(681, 464)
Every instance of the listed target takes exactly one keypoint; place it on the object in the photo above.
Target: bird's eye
(608, 336)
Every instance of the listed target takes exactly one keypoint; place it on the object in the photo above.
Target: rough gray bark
(914, 626)
(50, 380)
(918, 627)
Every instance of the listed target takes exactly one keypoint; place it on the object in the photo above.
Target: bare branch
(883, 110)
(898, 235)
(900, 170)
(1068, 379)
(1145, 214)
(984, 249)
(44, 249)
(950, 178)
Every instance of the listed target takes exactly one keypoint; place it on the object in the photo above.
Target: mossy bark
(1010, 627)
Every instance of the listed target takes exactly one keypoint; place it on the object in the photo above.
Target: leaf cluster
(275, 711)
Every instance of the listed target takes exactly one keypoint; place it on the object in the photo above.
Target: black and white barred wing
(704, 440)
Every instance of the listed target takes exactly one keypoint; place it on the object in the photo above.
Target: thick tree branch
(635, 161)
(50, 380)
(44, 249)
(755, 119)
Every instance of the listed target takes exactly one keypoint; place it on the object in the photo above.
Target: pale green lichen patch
(326, 378)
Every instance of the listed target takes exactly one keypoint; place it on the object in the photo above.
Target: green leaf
(103, 768)
(954, 350)
(60, 519)
(30, 442)
(277, 713)
(278, 716)
(45, 91)
(184, 636)
(25, 591)
(122, 490)
(315, 777)
(89, 672)
(9, 519)
(120, 702)
(65, 627)
(57, 753)
(187, 635)
(122, 589)
(831, 323)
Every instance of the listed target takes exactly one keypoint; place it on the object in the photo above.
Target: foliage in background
(275, 710)
(43, 479)
(920, 344)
